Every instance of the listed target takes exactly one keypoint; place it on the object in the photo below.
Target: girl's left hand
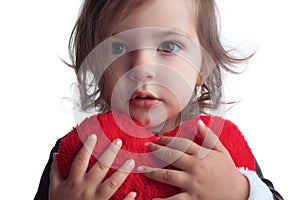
(205, 172)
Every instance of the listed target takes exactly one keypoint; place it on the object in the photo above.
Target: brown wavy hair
(94, 24)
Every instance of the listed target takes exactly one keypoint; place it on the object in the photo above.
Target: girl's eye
(169, 47)
(118, 48)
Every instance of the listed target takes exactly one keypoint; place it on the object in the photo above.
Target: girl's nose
(143, 66)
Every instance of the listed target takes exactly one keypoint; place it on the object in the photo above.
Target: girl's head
(157, 80)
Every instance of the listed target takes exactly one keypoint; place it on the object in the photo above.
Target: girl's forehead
(177, 15)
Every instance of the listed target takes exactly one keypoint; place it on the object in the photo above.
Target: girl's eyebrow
(173, 32)
(161, 32)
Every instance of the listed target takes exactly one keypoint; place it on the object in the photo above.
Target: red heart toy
(113, 125)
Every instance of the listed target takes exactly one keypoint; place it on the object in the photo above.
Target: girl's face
(155, 71)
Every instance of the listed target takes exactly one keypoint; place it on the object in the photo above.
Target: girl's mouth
(144, 100)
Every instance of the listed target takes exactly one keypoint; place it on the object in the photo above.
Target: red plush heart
(112, 125)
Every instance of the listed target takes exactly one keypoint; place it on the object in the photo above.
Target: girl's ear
(200, 80)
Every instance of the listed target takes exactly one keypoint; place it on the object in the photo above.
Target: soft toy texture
(112, 125)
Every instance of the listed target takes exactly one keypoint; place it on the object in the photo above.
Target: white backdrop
(34, 35)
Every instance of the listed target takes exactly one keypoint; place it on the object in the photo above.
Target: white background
(34, 35)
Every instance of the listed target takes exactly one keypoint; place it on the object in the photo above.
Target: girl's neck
(167, 126)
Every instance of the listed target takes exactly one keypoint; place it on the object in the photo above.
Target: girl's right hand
(90, 185)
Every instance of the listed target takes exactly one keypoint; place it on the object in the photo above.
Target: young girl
(155, 61)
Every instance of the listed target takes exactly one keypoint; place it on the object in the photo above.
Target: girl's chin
(152, 123)
(155, 124)
(147, 122)
(155, 128)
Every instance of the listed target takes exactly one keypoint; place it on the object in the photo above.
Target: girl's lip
(144, 100)
(143, 95)
(144, 103)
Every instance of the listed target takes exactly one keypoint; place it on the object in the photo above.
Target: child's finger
(174, 157)
(101, 167)
(183, 195)
(55, 177)
(130, 196)
(211, 140)
(176, 178)
(110, 186)
(81, 160)
(181, 144)
(110, 154)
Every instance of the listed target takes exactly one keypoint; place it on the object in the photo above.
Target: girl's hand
(206, 172)
(90, 186)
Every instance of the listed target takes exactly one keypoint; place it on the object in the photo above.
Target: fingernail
(90, 140)
(54, 155)
(201, 123)
(118, 142)
(158, 139)
(92, 137)
(150, 145)
(130, 163)
(141, 169)
(133, 194)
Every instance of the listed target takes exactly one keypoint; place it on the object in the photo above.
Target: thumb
(55, 176)
(210, 139)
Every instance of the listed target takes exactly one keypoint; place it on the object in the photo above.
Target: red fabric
(133, 148)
